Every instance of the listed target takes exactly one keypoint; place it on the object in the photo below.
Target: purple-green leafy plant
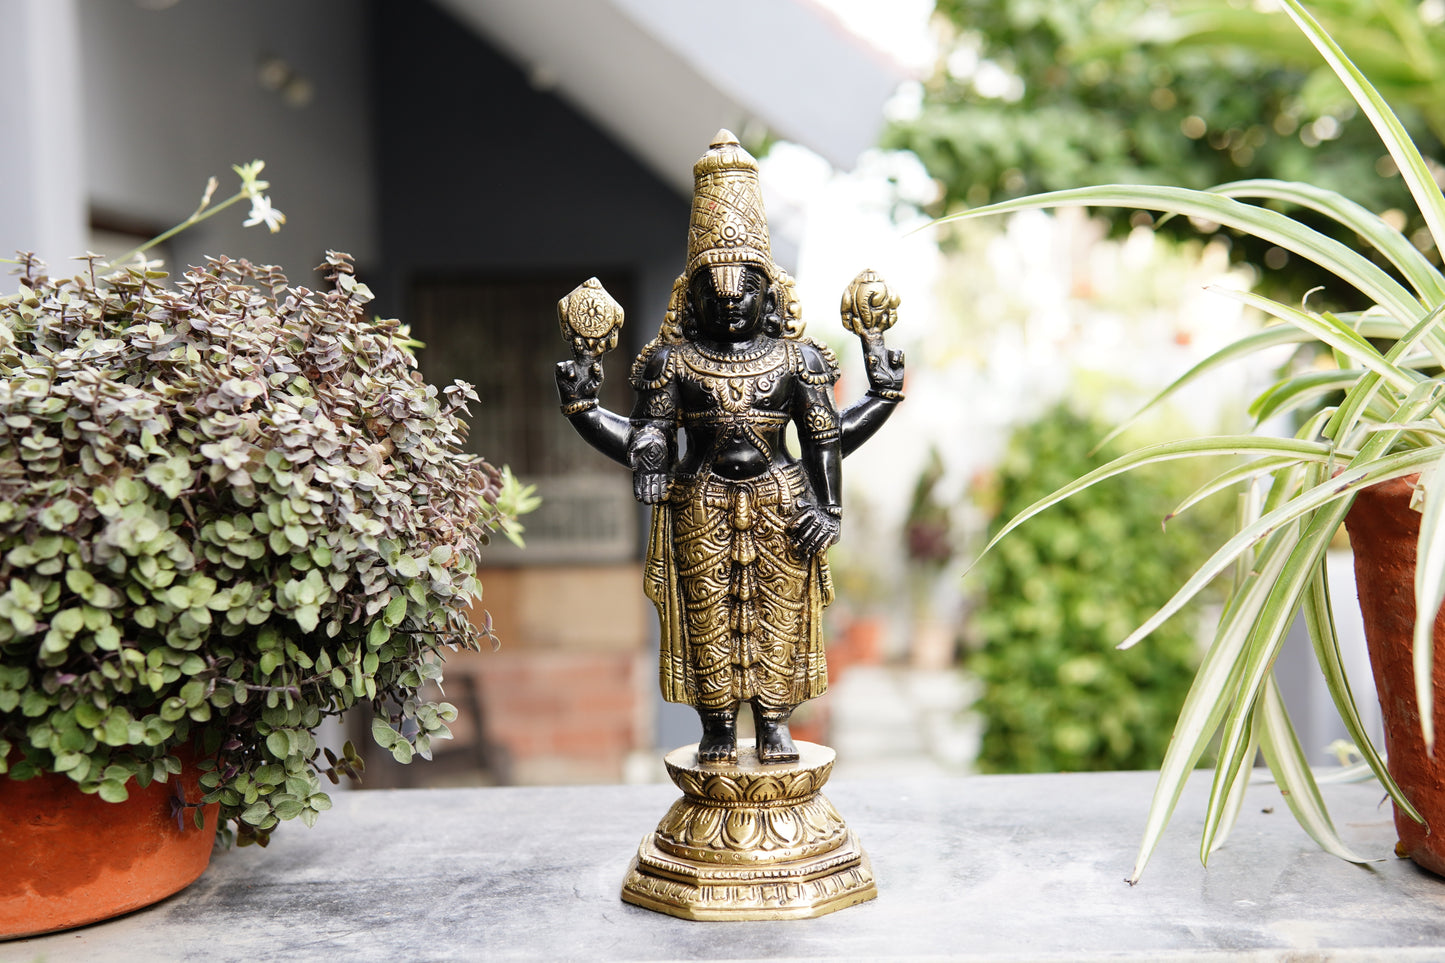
(229, 509)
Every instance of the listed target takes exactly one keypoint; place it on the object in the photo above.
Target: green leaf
(68, 621)
(308, 617)
(1205, 706)
(1167, 451)
(1222, 813)
(1429, 594)
(88, 714)
(383, 733)
(1319, 619)
(1340, 487)
(1423, 276)
(1229, 479)
(256, 814)
(1228, 684)
(288, 807)
(1301, 390)
(1287, 761)
(113, 791)
(1349, 266)
(1412, 166)
(395, 611)
(1335, 334)
(279, 742)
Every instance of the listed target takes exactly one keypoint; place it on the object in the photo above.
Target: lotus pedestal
(749, 841)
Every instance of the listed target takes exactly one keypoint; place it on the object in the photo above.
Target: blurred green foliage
(1040, 95)
(1056, 597)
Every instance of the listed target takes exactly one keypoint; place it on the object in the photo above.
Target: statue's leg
(719, 741)
(775, 741)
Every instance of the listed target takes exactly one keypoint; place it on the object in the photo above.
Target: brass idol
(737, 555)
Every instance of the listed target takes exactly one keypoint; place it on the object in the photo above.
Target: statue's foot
(719, 742)
(775, 741)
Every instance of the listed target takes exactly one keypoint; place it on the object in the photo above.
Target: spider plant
(1375, 416)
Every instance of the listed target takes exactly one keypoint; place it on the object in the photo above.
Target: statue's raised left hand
(885, 366)
(813, 529)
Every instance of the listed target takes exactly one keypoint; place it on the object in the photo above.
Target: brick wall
(567, 697)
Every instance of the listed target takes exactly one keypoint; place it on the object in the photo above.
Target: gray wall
(482, 173)
(172, 96)
(42, 207)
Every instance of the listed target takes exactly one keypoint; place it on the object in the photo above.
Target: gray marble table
(978, 868)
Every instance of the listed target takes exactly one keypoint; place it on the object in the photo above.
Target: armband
(577, 407)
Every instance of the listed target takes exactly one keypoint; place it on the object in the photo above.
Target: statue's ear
(772, 317)
(687, 316)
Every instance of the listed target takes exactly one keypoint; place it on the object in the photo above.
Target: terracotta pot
(70, 858)
(1383, 533)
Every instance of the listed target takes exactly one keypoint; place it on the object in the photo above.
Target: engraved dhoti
(741, 613)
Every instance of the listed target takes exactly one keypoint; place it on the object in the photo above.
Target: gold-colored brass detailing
(749, 841)
(729, 227)
(749, 610)
(869, 306)
(736, 558)
(590, 319)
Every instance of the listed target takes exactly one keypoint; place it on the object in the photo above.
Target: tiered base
(750, 842)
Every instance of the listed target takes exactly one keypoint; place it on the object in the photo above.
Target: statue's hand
(885, 366)
(813, 529)
(649, 488)
(578, 380)
(647, 454)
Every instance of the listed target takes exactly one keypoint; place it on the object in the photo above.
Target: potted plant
(230, 509)
(1373, 418)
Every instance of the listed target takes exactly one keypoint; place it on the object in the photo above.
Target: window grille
(501, 335)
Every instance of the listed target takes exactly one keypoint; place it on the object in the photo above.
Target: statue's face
(723, 318)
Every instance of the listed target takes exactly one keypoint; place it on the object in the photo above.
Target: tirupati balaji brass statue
(736, 562)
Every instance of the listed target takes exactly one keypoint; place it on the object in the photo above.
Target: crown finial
(724, 138)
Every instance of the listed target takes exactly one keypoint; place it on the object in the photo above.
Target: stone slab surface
(975, 868)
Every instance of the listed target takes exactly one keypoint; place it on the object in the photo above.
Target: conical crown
(729, 227)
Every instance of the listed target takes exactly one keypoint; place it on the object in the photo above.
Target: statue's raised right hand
(578, 380)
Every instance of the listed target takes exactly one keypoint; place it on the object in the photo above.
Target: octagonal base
(749, 841)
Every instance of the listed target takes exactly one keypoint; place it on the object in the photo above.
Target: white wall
(172, 96)
(42, 207)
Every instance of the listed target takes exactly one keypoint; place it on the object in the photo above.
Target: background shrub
(1055, 598)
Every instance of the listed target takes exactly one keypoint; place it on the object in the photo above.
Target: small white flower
(263, 213)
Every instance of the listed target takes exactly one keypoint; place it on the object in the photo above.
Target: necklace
(734, 381)
(752, 354)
